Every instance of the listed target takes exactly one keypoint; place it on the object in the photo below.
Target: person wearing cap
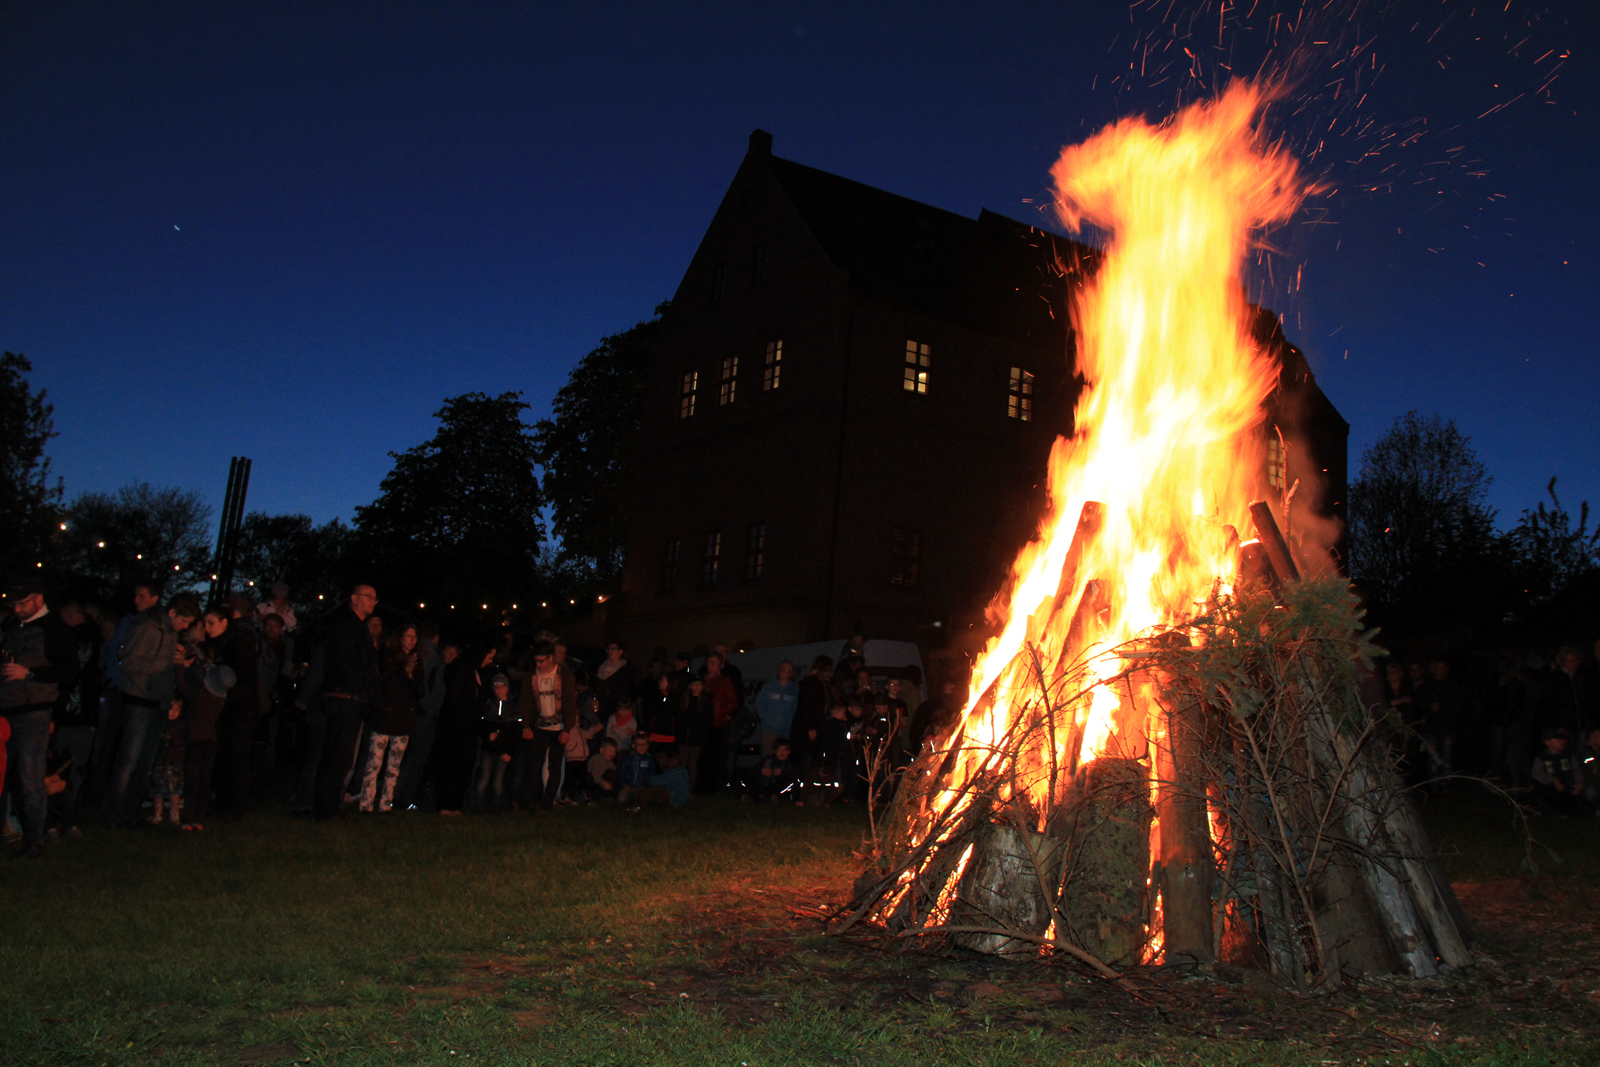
(38, 666)
(149, 657)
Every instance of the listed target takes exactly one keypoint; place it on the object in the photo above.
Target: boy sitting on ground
(1557, 781)
(670, 788)
(774, 779)
(636, 769)
(603, 770)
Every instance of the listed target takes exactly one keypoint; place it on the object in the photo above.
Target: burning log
(1116, 790)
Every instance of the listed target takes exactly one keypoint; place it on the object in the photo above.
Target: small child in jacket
(668, 788)
(622, 724)
(500, 727)
(774, 778)
(1557, 779)
(603, 770)
(166, 783)
(636, 768)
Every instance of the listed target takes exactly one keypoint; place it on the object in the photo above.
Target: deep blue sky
(289, 230)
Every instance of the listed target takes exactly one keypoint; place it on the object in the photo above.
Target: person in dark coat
(811, 707)
(238, 648)
(204, 685)
(456, 743)
(696, 727)
(349, 686)
(39, 669)
(393, 719)
(657, 709)
(615, 680)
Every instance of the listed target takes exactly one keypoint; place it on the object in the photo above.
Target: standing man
(727, 698)
(38, 666)
(813, 699)
(550, 709)
(148, 657)
(146, 595)
(349, 685)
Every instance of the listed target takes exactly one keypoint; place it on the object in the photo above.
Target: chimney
(760, 143)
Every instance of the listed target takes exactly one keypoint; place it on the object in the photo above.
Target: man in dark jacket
(811, 707)
(40, 665)
(349, 685)
(1562, 699)
(148, 657)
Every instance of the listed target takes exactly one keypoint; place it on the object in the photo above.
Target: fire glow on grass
(1167, 438)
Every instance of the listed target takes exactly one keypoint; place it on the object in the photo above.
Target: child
(166, 784)
(774, 779)
(1557, 781)
(501, 729)
(668, 788)
(603, 770)
(575, 779)
(622, 725)
(835, 763)
(636, 769)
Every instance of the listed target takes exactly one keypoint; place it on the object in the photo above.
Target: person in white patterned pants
(395, 747)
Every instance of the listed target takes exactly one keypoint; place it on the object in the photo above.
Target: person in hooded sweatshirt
(500, 726)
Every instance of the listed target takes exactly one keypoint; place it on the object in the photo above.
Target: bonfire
(1165, 757)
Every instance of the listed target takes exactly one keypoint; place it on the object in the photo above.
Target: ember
(1110, 790)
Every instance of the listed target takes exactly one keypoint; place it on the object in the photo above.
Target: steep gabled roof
(991, 273)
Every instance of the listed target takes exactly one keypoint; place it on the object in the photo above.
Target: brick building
(848, 413)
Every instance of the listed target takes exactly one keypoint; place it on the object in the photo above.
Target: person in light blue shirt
(775, 707)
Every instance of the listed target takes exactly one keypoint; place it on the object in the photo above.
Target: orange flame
(1166, 428)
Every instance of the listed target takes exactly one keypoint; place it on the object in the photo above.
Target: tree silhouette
(30, 514)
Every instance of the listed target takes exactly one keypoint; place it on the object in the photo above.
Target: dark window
(1019, 404)
(906, 564)
(686, 393)
(772, 370)
(758, 551)
(918, 358)
(763, 261)
(730, 380)
(669, 567)
(711, 563)
(719, 282)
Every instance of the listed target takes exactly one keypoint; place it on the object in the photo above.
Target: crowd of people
(182, 714)
(1532, 724)
(186, 714)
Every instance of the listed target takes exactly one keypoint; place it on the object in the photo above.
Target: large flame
(1167, 430)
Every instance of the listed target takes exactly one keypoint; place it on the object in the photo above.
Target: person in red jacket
(725, 701)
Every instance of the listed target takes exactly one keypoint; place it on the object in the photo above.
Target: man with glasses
(550, 709)
(349, 684)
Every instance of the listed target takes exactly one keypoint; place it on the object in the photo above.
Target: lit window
(711, 562)
(730, 380)
(772, 371)
(1277, 475)
(763, 261)
(757, 556)
(719, 282)
(917, 360)
(669, 567)
(686, 395)
(1019, 404)
(906, 562)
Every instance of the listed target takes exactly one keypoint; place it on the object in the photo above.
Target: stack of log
(1247, 812)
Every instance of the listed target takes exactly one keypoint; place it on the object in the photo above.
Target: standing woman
(457, 740)
(239, 649)
(205, 687)
(393, 720)
(696, 728)
(657, 712)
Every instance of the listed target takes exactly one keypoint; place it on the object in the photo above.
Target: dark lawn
(592, 936)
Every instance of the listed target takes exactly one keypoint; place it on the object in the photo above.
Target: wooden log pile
(1249, 813)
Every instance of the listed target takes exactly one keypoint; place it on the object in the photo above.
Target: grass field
(593, 936)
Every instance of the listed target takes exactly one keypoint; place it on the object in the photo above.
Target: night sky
(288, 231)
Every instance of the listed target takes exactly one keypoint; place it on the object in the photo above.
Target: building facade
(848, 414)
